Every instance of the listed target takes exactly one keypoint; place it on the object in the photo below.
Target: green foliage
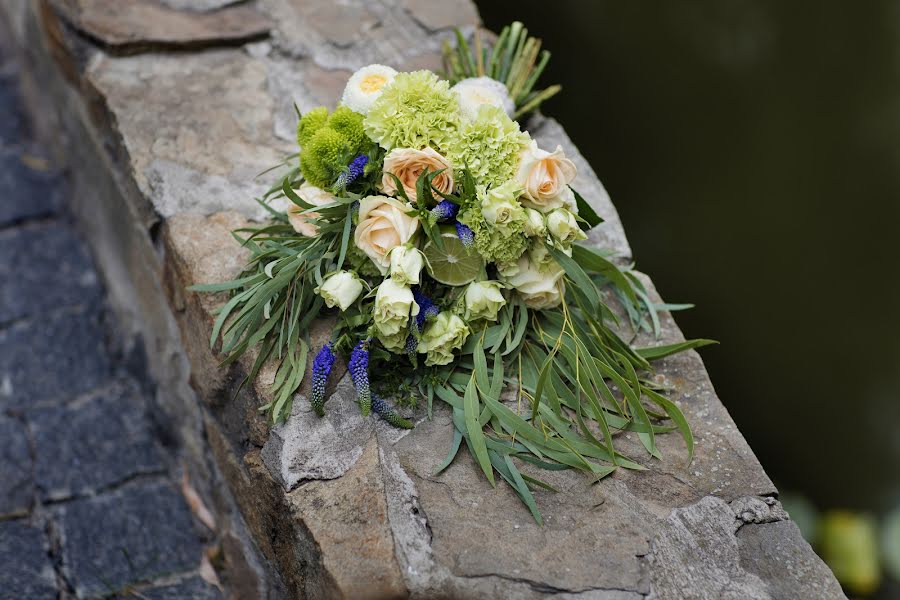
(515, 59)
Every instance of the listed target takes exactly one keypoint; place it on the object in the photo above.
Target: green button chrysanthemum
(489, 146)
(416, 110)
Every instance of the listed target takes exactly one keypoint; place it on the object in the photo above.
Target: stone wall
(165, 111)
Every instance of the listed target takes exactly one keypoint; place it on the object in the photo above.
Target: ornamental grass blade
(473, 428)
(658, 352)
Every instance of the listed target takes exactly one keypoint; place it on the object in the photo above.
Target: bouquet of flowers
(446, 245)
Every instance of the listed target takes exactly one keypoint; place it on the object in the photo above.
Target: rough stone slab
(94, 443)
(707, 552)
(193, 588)
(12, 126)
(348, 518)
(45, 267)
(17, 490)
(19, 181)
(139, 533)
(25, 568)
(133, 25)
(197, 127)
(52, 359)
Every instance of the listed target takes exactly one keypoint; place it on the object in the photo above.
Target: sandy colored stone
(132, 25)
(348, 518)
(198, 128)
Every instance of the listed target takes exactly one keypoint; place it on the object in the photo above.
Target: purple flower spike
(427, 309)
(353, 171)
(382, 408)
(466, 235)
(445, 210)
(359, 371)
(321, 369)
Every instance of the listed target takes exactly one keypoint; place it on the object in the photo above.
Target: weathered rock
(133, 25)
(37, 358)
(17, 493)
(29, 253)
(18, 179)
(135, 534)
(25, 568)
(94, 443)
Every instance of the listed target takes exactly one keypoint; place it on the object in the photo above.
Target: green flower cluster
(489, 146)
(416, 110)
(495, 244)
(329, 142)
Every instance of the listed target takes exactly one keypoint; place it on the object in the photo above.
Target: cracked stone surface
(347, 507)
(131, 25)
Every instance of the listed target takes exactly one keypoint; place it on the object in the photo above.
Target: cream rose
(408, 164)
(545, 176)
(299, 220)
(540, 286)
(383, 225)
(340, 289)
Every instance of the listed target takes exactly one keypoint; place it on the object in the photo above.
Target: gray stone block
(25, 568)
(24, 192)
(17, 490)
(94, 443)
(12, 125)
(52, 358)
(137, 534)
(45, 267)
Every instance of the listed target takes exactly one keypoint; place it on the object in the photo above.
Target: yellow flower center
(372, 83)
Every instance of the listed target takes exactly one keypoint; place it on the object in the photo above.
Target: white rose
(441, 337)
(478, 91)
(406, 264)
(499, 205)
(564, 227)
(340, 289)
(365, 86)
(394, 305)
(534, 223)
(383, 225)
(540, 286)
(312, 195)
(545, 178)
(407, 164)
(484, 300)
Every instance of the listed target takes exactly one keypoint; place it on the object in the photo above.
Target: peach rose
(545, 177)
(383, 225)
(299, 220)
(407, 164)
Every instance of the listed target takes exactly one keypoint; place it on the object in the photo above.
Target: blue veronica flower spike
(353, 171)
(382, 408)
(465, 235)
(412, 344)
(427, 309)
(321, 369)
(359, 372)
(445, 210)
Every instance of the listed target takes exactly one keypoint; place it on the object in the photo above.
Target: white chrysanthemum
(476, 91)
(365, 86)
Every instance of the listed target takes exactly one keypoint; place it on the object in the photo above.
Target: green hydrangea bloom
(350, 125)
(494, 244)
(489, 145)
(310, 123)
(416, 110)
(323, 157)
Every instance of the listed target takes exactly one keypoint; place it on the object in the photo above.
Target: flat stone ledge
(183, 135)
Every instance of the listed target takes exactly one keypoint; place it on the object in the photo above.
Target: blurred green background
(752, 148)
